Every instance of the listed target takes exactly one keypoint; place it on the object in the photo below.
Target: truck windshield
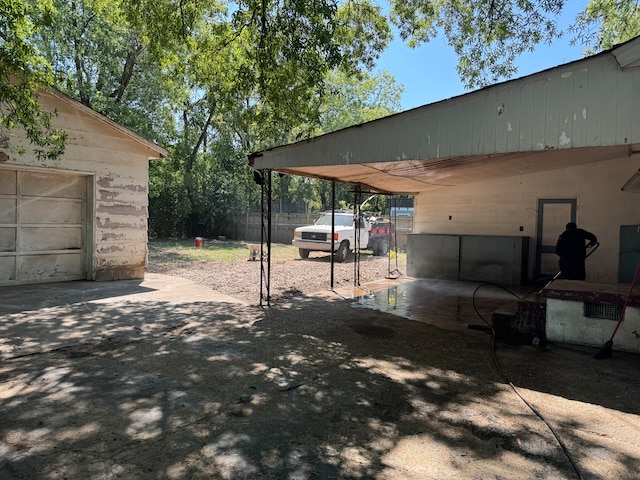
(341, 220)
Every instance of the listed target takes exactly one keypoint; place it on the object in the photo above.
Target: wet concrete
(162, 379)
(446, 304)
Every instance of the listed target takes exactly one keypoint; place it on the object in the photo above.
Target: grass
(168, 252)
(174, 251)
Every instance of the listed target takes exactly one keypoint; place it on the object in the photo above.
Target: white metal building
(502, 169)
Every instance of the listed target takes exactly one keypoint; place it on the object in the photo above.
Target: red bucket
(199, 241)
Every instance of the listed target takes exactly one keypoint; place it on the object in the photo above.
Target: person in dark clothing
(572, 249)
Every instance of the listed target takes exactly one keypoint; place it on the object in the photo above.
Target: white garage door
(42, 227)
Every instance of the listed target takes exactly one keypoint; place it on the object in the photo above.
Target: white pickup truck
(317, 237)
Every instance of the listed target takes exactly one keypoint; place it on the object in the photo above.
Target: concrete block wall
(566, 323)
(508, 206)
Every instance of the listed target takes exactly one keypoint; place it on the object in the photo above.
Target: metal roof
(584, 111)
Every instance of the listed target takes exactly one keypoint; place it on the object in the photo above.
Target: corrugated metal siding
(589, 103)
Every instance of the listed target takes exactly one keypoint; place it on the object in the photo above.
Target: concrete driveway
(163, 379)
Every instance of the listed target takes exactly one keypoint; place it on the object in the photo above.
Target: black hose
(513, 387)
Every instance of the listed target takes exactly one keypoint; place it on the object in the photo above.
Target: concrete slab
(40, 318)
(165, 379)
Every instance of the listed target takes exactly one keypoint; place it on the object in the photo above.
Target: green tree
(350, 100)
(281, 53)
(22, 72)
(487, 35)
(347, 100)
(601, 24)
(206, 80)
(99, 60)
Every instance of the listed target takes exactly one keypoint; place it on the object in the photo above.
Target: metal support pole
(395, 273)
(357, 217)
(265, 239)
(333, 227)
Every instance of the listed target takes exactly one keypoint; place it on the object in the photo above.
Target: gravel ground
(290, 276)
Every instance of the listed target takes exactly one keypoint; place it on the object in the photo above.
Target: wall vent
(605, 311)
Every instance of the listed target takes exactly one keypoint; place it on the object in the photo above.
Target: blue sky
(428, 73)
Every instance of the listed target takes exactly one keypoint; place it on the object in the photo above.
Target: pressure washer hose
(513, 387)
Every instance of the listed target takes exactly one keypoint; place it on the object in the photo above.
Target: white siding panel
(7, 270)
(513, 115)
(439, 134)
(8, 210)
(539, 114)
(7, 239)
(634, 104)
(448, 128)
(8, 183)
(121, 250)
(51, 211)
(478, 124)
(526, 118)
(122, 196)
(50, 267)
(594, 108)
(460, 129)
(428, 122)
(552, 106)
(44, 184)
(34, 239)
(565, 109)
(503, 103)
(490, 115)
(624, 110)
(610, 102)
(580, 107)
(108, 236)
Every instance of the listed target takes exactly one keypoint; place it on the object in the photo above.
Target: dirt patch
(290, 277)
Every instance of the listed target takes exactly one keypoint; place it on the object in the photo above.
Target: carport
(500, 169)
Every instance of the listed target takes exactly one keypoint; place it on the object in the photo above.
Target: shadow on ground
(312, 388)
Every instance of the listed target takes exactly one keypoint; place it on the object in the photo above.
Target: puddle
(444, 304)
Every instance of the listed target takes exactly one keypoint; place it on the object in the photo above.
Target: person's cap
(571, 226)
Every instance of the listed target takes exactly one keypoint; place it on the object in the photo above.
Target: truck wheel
(383, 247)
(374, 248)
(304, 253)
(342, 252)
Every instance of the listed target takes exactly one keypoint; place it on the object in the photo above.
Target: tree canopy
(270, 56)
(22, 71)
(214, 80)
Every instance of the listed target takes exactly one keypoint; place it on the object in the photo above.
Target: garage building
(83, 215)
